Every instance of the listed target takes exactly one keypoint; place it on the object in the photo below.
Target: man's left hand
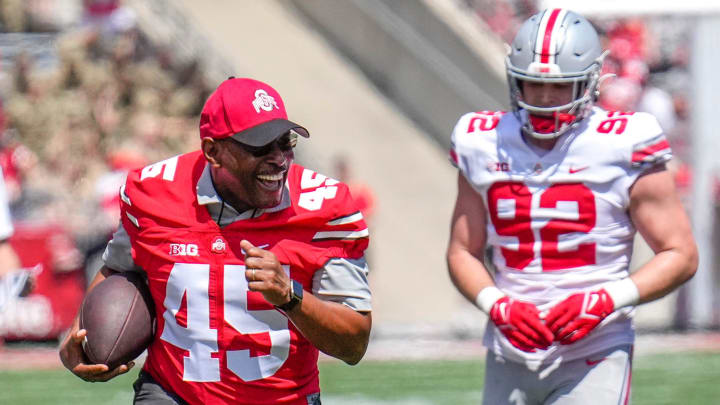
(265, 274)
(574, 317)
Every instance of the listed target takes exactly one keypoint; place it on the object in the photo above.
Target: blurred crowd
(648, 56)
(73, 120)
(650, 60)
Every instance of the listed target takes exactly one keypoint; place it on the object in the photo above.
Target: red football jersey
(216, 342)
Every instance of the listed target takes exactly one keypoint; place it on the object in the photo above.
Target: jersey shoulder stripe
(652, 151)
(341, 235)
(356, 216)
(636, 135)
(347, 227)
(453, 157)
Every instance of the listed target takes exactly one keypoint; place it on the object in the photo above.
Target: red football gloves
(574, 317)
(567, 322)
(520, 322)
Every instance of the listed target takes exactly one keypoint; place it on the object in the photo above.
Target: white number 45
(201, 341)
(313, 200)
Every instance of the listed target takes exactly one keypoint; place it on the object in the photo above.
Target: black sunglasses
(285, 143)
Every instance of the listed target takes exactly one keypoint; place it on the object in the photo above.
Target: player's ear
(211, 149)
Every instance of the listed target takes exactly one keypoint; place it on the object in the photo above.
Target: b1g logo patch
(183, 249)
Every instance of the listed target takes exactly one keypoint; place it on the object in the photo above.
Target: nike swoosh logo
(577, 169)
(502, 308)
(593, 300)
(594, 362)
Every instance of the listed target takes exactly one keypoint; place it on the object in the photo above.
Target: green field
(677, 378)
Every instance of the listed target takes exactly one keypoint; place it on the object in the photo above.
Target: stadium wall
(401, 44)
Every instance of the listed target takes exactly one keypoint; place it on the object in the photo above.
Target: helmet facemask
(547, 122)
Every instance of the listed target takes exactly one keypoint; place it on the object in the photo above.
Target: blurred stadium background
(92, 88)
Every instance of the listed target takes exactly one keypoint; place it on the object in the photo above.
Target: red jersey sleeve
(326, 207)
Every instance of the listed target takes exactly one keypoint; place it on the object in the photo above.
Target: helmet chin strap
(549, 124)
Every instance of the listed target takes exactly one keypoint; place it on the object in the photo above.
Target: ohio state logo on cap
(263, 101)
(248, 110)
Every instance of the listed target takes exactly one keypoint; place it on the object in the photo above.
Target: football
(119, 317)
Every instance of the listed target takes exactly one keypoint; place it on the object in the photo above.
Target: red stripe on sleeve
(453, 157)
(640, 155)
(545, 55)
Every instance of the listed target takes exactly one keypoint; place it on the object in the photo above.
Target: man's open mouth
(271, 182)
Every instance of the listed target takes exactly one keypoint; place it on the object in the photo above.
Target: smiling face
(250, 177)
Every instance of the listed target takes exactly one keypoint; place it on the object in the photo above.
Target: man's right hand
(520, 322)
(74, 359)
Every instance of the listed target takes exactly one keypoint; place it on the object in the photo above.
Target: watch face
(297, 290)
(296, 296)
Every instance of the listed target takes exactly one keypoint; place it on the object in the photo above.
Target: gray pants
(149, 392)
(601, 379)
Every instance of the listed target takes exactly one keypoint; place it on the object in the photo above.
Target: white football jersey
(558, 221)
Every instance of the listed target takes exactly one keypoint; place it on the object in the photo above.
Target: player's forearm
(665, 272)
(467, 272)
(334, 329)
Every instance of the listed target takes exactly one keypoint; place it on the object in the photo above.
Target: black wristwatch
(296, 296)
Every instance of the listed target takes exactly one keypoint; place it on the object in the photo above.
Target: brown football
(119, 318)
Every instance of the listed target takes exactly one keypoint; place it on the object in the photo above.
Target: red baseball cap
(249, 111)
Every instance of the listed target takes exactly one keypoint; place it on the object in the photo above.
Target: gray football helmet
(560, 46)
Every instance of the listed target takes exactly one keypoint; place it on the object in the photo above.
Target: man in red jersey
(254, 263)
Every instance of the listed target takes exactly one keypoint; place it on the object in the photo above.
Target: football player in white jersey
(557, 189)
